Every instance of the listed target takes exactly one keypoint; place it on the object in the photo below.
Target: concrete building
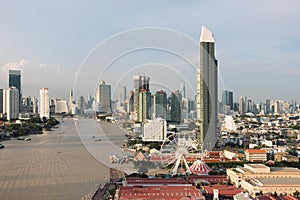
(155, 130)
(11, 103)
(144, 106)
(256, 178)
(160, 104)
(256, 155)
(207, 90)
(176, 106)
(1, 101)
(103, 97)
(14, 77)
(44, 108)
(61, 106)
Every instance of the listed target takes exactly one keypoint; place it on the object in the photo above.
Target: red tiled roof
(256, 151)
(149, 181)
(161, 192)
(224, 190)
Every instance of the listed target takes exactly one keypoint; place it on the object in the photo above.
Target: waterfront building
(61, 106)
(155, 130)
(11, 103)
(207, 91)
(258, 178)
(103, 97)
(14, 77)
(44, 108)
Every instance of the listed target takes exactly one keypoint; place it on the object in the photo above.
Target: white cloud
(14, 65)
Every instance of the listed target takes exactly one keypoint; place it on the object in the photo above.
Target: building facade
(176, 106)
(103, 97)
(11, 103)
(44, 108)
(144, 106)
(207, 91)
(14, 77)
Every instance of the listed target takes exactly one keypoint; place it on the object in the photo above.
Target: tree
(296, 193)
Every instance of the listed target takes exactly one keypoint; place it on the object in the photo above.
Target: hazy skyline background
(257, 42)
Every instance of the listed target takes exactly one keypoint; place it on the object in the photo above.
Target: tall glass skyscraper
(14, 80)
(207, 91)
(103, 97)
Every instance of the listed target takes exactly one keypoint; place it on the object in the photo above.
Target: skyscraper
(182, 89)
(11, 103)
(103, 97)
(176, 106)
(1, 101)
(227, 99)
(44, 109)
(207, 91)
(14, 77)
(144, 105)
(242, 106)
(160, 104)
(122, 95)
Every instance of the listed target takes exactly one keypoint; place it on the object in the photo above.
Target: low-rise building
(257, 178)
(256, 155)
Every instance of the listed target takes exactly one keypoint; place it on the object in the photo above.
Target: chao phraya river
(56, 164)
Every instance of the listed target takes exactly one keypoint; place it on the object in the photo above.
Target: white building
(11, 103)
(103, 97)
(44, 109)
(155, 130)
(61, 106)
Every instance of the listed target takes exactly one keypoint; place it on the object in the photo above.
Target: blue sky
(257, 42)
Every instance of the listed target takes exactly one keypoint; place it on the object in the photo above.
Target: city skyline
(262, 64)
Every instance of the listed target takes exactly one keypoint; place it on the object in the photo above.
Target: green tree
(296, 193)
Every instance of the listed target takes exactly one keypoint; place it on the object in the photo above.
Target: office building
(103, 97)
(122, 95)
(11, 103)
(61, 106)
(144, 106)
(207, 91)
(44, 109)
(1, 101)
(182, 89)
(268, 106)
(258, 178)
(175, 106)
(227, 99)
(155, 130)
(160, 104)
(15, 81)
(242, 106)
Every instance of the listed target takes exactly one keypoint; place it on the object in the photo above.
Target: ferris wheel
(176, 148)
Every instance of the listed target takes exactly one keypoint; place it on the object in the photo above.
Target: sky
(257, 44)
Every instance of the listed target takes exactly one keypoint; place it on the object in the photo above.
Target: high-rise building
(122, 95)
(61, 106)
(11, 103)
(268, 106)
(1, 101)
(160, 104)
(44, 109)
(144, 106)
(227, 99)
(242, 106)
(103, 97)
(182, 89)
(207, 91)
(15, 81)
(176, 106)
